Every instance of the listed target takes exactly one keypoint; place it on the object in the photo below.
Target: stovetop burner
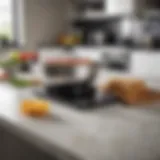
(80, 95)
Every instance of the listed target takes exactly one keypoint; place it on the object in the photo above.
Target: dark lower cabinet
(13, 147)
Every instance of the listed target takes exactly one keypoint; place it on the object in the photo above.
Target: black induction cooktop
(80, 95)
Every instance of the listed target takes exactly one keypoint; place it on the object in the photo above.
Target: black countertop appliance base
(79, 95)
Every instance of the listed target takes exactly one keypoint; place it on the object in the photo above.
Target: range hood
(109, 8)
(94, 9)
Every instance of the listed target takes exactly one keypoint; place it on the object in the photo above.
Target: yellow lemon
(36, 108)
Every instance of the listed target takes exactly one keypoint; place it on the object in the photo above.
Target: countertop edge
(53, 150)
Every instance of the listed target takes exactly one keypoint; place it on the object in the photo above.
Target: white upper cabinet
(116, 7)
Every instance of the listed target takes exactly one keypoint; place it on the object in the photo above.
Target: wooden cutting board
(131, 91)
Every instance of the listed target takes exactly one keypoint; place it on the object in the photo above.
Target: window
(6, 19)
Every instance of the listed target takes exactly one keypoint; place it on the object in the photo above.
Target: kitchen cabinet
(107, 8)
(128, 7)
(116, 7)
(13, 147)
(98, 9)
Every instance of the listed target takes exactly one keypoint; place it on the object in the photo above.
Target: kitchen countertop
(114, 132)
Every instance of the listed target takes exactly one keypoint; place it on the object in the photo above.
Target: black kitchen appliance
(104, 26)
(80, 94)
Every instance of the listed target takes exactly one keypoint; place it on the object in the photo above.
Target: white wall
(45, 19)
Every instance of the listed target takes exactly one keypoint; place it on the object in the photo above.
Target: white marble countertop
(111, 133)
(114, 132)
